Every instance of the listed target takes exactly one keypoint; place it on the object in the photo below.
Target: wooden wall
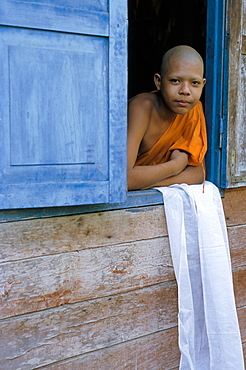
(97, 291)
(236, 134)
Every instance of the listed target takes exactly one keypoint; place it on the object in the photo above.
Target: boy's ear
(157, 81)
(204, 81)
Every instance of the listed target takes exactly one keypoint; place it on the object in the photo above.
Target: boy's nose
(184, 89)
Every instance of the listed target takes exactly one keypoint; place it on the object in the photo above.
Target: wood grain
(39, 283)
(239, 279)
(154, 352)
(242, 322)
(33, 238)
(237, 236)
(236, 103)
(101, 286)
(40, 338)
(234, 204)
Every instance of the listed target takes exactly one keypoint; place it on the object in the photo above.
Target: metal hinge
(221, 132)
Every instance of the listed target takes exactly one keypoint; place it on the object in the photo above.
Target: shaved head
(180, 53)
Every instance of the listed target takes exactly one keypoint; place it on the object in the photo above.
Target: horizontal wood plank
(40, 283)
(54, 18)
(235, 206)
(33, 238)
(237, 237)
(239, 279)
(244, 44)
(156, 351)
(134, 199)
(53, 335)
(242, 322)
(244, 352)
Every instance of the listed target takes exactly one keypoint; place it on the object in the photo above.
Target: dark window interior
(154, 27)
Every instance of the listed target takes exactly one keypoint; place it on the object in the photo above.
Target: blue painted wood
(92, 5)
(224, 131)
(216, 93)
(135, 199)
(52, 129)
(88, 17)
(118, 100)
(63, 110)
(28, 195)
(56, 121)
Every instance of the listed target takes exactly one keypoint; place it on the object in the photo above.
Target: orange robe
(187, 132)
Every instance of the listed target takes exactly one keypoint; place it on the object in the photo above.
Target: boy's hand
(180, 159)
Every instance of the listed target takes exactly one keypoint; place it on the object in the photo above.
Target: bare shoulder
(144, 101)
(140, 111)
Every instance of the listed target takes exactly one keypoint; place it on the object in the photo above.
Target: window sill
(134, 199)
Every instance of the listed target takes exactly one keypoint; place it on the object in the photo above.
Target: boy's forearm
(191, 175)
(140, 177)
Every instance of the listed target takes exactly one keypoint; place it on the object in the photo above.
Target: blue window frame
(63, 102)
(216, 92)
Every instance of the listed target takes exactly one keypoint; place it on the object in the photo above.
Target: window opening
(154, 27)
(158, 25)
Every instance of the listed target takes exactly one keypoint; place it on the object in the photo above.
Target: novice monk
(166, 129)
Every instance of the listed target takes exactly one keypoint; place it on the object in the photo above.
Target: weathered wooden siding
(235, 212)
(97, 291)
(236, 148)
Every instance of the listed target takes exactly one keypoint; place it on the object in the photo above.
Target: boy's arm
(140, 177)
(191, 175)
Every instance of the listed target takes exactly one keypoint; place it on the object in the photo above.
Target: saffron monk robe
(167, 138)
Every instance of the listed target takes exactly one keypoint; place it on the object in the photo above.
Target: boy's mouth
(182, 103)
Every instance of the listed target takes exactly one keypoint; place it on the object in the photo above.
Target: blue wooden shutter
(216, 92)
(63, 102)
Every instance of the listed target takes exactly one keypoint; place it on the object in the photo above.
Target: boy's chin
(182, 108)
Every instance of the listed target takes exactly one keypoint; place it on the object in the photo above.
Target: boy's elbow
(201, 174)
(198, 180)
(132, 180)
(197, 175)
(129, 179)
(131, 183)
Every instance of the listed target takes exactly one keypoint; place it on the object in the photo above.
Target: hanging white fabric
(209, 337)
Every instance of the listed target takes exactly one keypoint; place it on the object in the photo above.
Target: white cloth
(209, 337)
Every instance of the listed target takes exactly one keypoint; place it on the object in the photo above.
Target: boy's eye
(174, 80)
(195, 82)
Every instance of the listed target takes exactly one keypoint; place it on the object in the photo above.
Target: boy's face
(181, 85)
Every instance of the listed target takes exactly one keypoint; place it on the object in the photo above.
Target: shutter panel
(237, 94)
(63, 106)
(216, 91)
